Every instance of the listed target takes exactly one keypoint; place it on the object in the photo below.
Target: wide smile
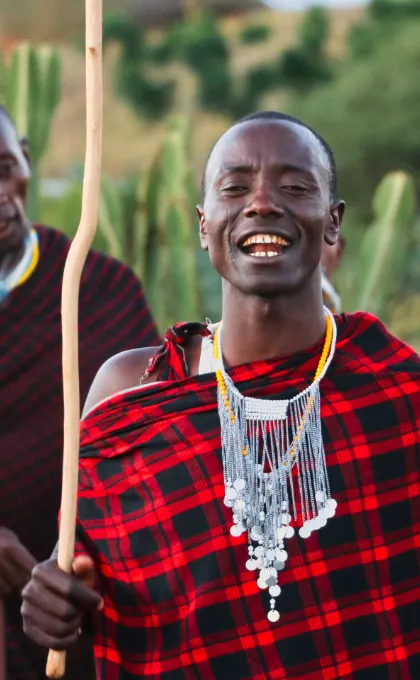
(264, 245)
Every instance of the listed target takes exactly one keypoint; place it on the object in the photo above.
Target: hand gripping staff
(70, 298)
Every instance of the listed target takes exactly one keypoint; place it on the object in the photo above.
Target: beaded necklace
(263, 441)
(24, 268)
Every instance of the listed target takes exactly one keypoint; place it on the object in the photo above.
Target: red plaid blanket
(179, 603)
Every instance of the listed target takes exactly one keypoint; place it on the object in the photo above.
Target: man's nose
(264, 203)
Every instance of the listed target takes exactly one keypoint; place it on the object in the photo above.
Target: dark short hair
(277, 115)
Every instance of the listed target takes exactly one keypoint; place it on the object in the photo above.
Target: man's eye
(6, 169)
(294, 187)
(234, 187)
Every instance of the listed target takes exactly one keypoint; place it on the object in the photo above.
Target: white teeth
(265, 238)
(264, 254)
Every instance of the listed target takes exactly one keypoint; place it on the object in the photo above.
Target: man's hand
(16, 564)
(54, 602)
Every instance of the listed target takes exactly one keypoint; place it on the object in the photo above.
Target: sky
(304, 4)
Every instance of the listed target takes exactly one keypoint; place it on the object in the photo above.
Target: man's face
(268, 209)
(14, 179)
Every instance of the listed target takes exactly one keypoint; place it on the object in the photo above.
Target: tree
(306, 64)
(394, 9)
(369, 115)
(148, 97)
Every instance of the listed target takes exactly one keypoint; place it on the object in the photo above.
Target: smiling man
(113, 317)
(251, 509)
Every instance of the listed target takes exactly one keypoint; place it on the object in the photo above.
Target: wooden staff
(70, 298)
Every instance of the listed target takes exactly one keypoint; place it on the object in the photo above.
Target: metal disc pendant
(279, 566)
(305, 531)
(231, 494)
(236, 530)
(262, 584)
(256, 533)
(282, 533)
(290, 532)
(315, 523)
(273, 616)
(282, 556)
(265, 574)
(274, 591)
(271, 581)
(251, 565)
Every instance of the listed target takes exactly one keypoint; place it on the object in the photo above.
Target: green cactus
(151, 250)
(165, 252)
(33, 93)
(3, 79)
(386, 244)
(110, 219)
(166, 233)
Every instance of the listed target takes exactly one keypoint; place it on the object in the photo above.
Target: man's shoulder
(365, 341)
(121, 372)
(51, 241)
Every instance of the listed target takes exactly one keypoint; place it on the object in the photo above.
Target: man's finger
(22, 559)
(84, 596)
(40, 598)
(66, 586)
(49, 624)
(49, 641)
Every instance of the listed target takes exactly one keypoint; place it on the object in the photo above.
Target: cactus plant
(32, 96)
(3, 79)
(110, 219)
(386, 244)
(166, 233)
(165, 251)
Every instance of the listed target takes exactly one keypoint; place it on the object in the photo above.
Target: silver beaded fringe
(259, 487)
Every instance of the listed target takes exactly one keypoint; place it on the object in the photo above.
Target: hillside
(129, 143)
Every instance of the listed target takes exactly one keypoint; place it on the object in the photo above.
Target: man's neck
(255, 329)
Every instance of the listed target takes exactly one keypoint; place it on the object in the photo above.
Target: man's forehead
(267, 141)
(8, 135)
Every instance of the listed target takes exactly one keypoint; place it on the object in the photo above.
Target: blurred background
(177, 73)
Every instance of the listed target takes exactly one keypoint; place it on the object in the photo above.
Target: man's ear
(203, 228)
(24, 145)
(336, 217)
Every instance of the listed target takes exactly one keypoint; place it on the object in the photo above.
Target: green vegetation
(32, 93)
(365, 101)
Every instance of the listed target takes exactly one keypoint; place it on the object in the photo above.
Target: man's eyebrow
(280, 167)
(230, 169)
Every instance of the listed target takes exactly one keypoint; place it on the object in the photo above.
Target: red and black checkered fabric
(179, 603)
(113, 317)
